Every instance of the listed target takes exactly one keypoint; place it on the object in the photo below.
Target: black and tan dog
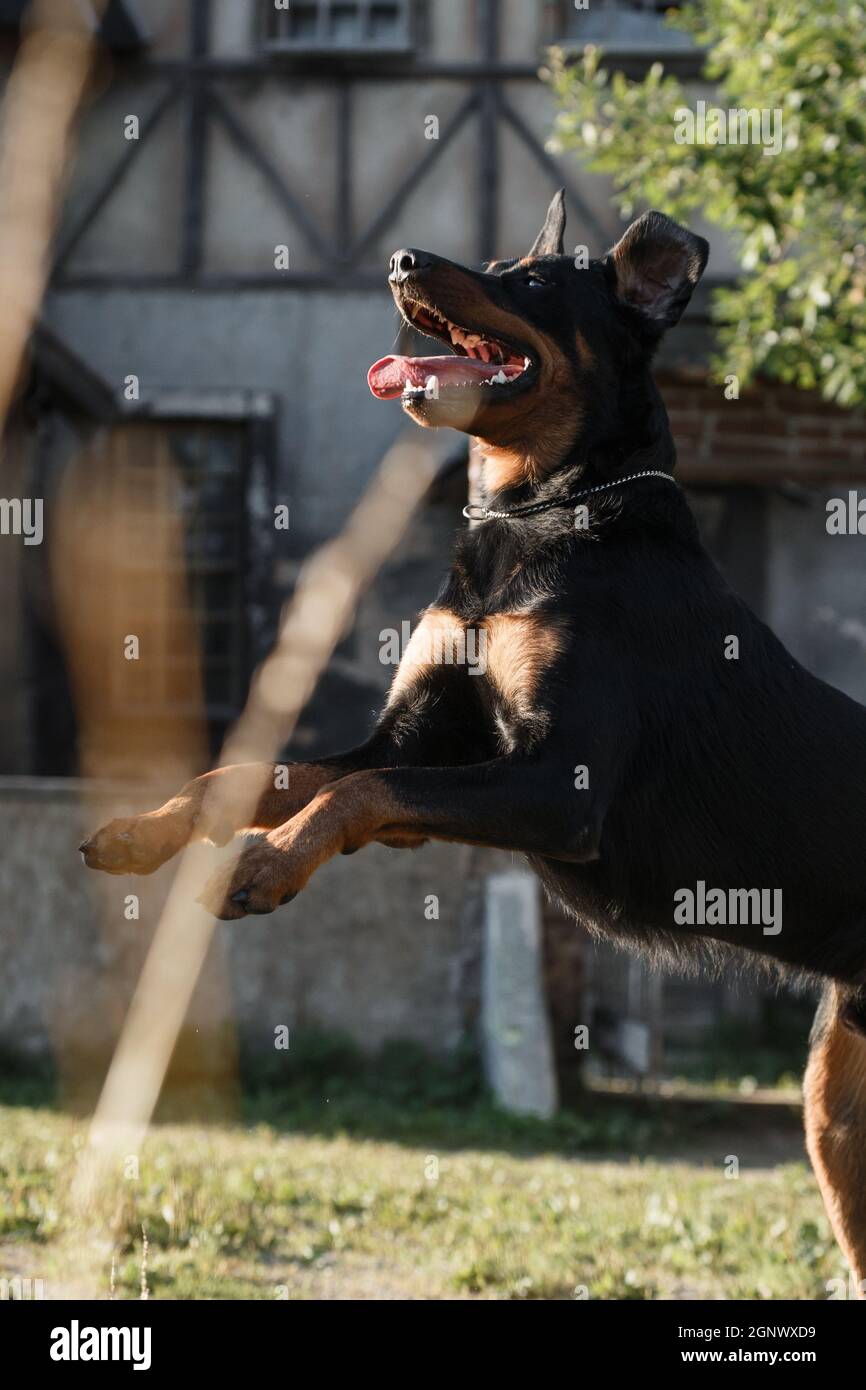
(608, 648)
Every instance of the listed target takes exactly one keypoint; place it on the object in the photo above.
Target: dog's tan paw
(135, 844)
(261, 880)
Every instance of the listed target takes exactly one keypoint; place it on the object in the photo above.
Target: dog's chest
(517, 651)
(505, 656)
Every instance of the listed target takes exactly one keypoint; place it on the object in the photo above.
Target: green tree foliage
(797, 219)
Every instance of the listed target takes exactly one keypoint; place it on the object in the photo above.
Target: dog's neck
(633, 436)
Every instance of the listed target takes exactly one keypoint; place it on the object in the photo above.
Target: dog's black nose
(404, 262)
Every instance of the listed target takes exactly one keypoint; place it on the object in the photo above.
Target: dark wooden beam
(70, 376)
(217, 282)
(344, 230)
(113, 178)
(419, 171)
(376, 68)
(534, 145)
(488, 19)
(272, 281)
(196, 120)
(250, 148)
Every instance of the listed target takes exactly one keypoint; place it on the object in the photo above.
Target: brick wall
(771, 432)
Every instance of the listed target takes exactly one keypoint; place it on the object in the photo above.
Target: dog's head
(547, 349)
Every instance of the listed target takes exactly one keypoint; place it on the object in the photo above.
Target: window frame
(322, 48)
(562, 24)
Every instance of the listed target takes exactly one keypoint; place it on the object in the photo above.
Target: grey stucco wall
(311, 349)
(816, 590)
(356, 953)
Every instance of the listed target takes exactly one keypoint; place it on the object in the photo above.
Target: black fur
(747, 773)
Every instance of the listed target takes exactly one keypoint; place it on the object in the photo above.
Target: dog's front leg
(255, 796)
(431, 719)
(220, 804)
(261, 796)
(505, 804)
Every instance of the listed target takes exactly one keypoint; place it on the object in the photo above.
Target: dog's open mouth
(481, 360)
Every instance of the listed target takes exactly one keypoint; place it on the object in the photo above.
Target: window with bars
(180, 526)
(336, 26)
(629, 27)
(154, 543)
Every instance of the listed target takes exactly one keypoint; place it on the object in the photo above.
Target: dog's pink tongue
(390, 376)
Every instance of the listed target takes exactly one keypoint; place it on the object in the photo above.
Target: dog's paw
(260, 881)
(135, 844)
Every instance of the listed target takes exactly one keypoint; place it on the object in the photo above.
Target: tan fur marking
(439, 639)
(520, 648)
(535, 431)
(527, 438)
(344, 816)
(504, 468)
(834, 1095)
(214, 807)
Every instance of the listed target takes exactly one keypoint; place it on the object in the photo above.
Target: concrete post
(518, 1057)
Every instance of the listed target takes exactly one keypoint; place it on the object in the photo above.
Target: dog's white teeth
(491, 353)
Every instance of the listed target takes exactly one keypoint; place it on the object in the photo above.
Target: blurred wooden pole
(315, 621)
(40, 105)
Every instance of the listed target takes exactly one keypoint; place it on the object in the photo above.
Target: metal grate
(329, 26)
(181, 523)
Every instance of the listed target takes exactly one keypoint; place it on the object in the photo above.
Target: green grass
(377, 1180)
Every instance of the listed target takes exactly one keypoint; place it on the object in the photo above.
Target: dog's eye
(535, 282)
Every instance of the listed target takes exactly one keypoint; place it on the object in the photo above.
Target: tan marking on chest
(438, 640)
(521, 648)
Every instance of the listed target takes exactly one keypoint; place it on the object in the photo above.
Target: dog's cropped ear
(550, 240)
(657, 264)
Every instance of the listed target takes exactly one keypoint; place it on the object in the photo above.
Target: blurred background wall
(219, 292)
